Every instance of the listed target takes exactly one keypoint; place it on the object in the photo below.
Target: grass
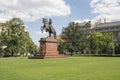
(71, 68)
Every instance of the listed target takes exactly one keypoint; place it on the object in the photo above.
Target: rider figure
(48, 27)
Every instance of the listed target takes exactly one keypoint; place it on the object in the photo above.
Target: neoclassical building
(113, 27)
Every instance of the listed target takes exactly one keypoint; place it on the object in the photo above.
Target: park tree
(95, 42)
(108, 43)
(61, 44)
(16, 38)
(101, 43)
(73, 38)
(117, 48)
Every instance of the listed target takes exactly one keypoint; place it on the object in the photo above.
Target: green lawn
(71, 68)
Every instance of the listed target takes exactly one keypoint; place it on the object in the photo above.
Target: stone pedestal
(48, 49)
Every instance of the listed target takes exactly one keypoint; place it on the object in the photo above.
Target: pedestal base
(46, 56)
(48, 49)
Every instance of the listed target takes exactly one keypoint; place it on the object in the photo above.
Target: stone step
(46, 56)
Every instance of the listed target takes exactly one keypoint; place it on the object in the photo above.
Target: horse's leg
(49, 34)
(54, 35)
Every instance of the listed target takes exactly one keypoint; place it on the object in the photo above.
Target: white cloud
(26, 27)
(40, 33)
(77, 21)
(81, 21)
(109, 9)
(31, 10)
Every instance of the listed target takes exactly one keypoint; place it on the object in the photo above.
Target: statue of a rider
(48, 27)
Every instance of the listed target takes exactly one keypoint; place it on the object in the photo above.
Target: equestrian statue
(48, 27)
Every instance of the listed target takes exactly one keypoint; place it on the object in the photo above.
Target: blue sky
(80, 10)
(60, 11)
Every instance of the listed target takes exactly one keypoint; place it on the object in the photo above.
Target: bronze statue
(48, 27)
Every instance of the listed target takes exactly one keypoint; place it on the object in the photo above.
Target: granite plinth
(48, 49)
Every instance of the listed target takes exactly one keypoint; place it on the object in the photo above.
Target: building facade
(113, 27)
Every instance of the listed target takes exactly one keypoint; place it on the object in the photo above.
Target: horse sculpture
(48, 27)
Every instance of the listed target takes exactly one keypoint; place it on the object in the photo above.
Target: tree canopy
(73, 38)
(102, 43)
(17, 40)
